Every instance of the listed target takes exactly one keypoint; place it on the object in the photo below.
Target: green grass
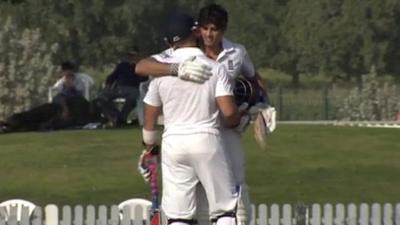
(301, 164)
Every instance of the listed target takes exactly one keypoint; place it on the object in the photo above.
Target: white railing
(274, 214)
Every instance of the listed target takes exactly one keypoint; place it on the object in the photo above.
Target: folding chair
(9, 207)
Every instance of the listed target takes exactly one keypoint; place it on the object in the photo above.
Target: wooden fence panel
(397, 213)
(388, 214)
(328, 215)
(287, 218)
(274, 220)
(262, 215)
(253, 215)
(286, 214)
(51, 215)
(339, 215)
(315, 218)
(364, 214)
(376, 214)
(351, 214)
(114, 215)
(78, 215)
(90, 215)
(102, 216)
(66, 215)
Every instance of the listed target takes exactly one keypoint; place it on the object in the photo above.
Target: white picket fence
(286, 214)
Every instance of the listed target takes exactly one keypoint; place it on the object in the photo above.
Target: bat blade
(155, 220)
(260, 131)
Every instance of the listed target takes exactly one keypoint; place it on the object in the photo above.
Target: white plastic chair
(133, 203)
(19, 204)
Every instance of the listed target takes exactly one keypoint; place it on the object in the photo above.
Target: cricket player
(212, 22)
(192, 146)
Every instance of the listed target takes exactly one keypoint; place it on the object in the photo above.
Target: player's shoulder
(233, 46)
(164, 55)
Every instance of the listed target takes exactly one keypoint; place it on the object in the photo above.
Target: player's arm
(229, 110)
(225, 99)
(189, 69)
(152, 109)
(151, 114)
(153, 67)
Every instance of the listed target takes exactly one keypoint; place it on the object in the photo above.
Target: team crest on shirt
(230, 64)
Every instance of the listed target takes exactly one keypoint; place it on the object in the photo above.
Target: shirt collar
(227, 48)
(188, 51)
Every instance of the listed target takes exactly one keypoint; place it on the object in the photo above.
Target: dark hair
(215, 14)
(67, 65)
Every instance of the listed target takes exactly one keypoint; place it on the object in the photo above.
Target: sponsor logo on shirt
(230, 64)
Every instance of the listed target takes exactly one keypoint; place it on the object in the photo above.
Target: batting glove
(269, 115)
(194, 71)
(142, 166)
(149, 156)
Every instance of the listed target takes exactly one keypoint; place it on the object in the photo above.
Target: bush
(373, 100)
(26, 68)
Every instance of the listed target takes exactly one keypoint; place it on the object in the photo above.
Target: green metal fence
(307, 104)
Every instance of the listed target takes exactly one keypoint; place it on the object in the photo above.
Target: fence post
(325, 100)
(280, 103)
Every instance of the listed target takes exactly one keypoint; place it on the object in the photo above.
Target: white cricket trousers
(235, 156)
(188, 160)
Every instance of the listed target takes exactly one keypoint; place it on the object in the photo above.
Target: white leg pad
(244, 210)
(178, 223)
(226, 221)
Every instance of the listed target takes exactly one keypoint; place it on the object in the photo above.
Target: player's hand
(194, 71)
(244, 118)
(143, 166)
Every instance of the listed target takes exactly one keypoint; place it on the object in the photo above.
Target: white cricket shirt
(236, 60)
(189, 107)
(233, 56)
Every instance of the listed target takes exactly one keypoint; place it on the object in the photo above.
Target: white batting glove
(269, 115)
(142, 167)
(194, 71)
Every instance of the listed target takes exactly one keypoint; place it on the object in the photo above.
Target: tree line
(341, 39)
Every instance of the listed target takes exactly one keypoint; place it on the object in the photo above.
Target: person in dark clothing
(68, 109)
(124, 83)
(70, 112)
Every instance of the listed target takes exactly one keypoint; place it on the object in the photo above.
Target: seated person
(80, 81)
(68, 109)
(70, 87)
(124, 83)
